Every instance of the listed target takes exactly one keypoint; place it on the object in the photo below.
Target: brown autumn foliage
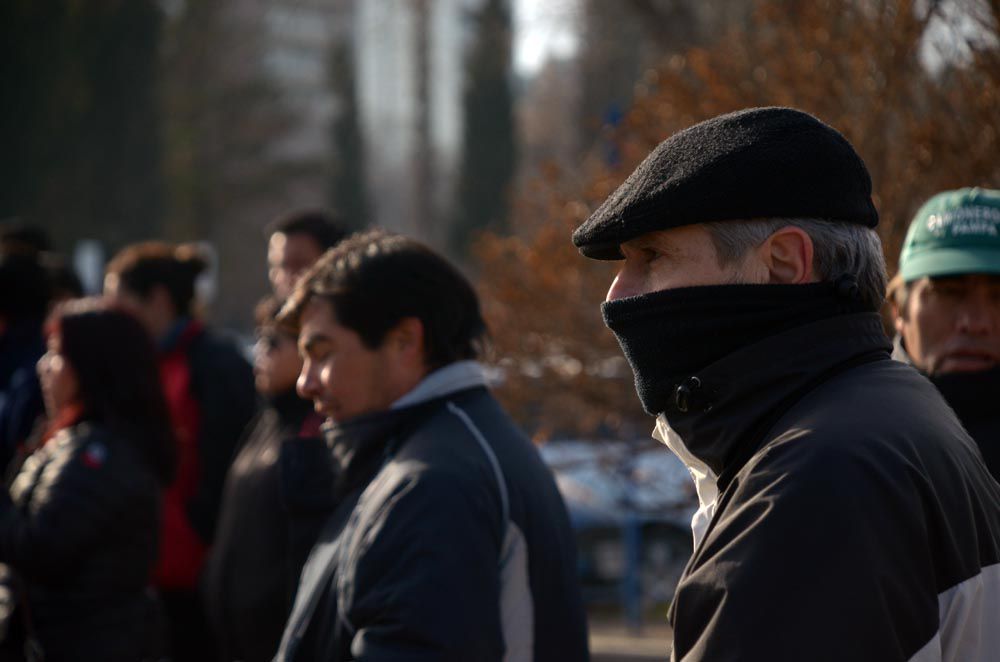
(856, 64)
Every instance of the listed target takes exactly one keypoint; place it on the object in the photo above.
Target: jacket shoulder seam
(470, 425)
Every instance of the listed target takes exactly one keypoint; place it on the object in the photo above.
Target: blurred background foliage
(488, 128)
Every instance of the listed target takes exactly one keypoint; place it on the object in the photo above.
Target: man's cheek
(326, 375)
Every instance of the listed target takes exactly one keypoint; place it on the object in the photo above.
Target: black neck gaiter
(670, 335)
(973, 395)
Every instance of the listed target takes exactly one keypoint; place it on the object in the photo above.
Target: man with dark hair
(25, 292)
(844, 512)
(946, 307)
(296, 241)
(278, 488)
(23, 239)
(19, 237)
(450, 540)
(32, 279)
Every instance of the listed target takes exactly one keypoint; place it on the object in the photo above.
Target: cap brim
(602, 251)
(598, 239)
(951, 262)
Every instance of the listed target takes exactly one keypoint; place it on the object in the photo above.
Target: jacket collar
(361, 445)
(180, 335)
(453, 377)
(290, 408)
(721, 414)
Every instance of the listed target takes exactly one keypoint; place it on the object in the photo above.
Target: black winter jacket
(80, 530)
(278, 494)
(854, 520)
(21, 402)
(223, 386)
(451, 541)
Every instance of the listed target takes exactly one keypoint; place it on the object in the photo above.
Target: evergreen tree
(349, 190)
(223, 120)
(489, 153)
(79, 123)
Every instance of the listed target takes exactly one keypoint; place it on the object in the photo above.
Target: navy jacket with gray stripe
(451, 541)
(845, 514)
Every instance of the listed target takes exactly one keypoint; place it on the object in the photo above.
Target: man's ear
(898, 315)
(407, 338)
(898, 323)
(788, 255)
(897, 296)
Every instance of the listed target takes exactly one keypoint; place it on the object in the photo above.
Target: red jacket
(209, 390)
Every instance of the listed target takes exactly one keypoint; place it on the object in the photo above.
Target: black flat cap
(754, 163)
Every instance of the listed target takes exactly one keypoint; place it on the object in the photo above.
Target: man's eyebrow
(308, 343)
(650, 240)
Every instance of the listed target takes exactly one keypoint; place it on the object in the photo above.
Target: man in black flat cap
(844, 512)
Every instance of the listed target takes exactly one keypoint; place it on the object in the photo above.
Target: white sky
(948, 35)
(543, 29)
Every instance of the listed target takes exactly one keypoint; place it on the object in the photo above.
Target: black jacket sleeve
(74, 504)
(306, 494)
(815, 561)
(426, 585)
(224, 389)
(20, 408)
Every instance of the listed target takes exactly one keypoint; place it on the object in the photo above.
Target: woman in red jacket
(209, 389)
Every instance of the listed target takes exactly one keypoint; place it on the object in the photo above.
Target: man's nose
(621, 287)
(306, 384)
(976, 316)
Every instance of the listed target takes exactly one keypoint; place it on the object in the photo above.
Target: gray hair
(838, 249)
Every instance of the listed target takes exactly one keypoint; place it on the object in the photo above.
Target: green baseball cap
(955, 232)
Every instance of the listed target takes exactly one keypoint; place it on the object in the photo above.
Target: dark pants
(189, 637)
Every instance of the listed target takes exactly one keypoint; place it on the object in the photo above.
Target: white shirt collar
(705, 480)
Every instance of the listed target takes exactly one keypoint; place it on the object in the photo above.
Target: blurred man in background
(278, 491)
(296, 242)
(946, 307)
(33, 279)
(25, 293)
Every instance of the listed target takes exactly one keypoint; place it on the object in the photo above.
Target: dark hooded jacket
(79, 529)
(450, 540)
(846, 515)
(21, 403)
(278, 494)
